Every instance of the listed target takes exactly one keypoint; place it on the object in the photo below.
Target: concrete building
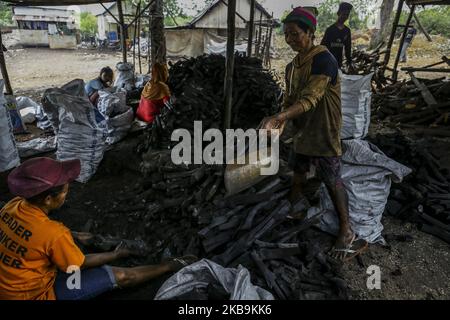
(46, 26)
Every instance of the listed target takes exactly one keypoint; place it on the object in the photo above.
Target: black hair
(106, 70)
(52, 192)
(345, 7)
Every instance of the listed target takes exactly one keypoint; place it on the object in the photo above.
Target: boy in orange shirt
(38, 256)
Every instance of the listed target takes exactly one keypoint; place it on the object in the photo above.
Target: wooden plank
(426, 94)
(426, 69)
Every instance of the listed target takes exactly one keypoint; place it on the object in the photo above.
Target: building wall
(57, 41)
(217, 17)
(34, 37)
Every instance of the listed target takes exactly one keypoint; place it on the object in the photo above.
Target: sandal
(353, 249)
(181, 262)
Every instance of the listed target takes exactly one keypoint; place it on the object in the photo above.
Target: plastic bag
(80, 128)
(36, 146)
(9, 157)
(16, 119)
(236, 282)
(34, 111)
(125, 79)
(119, 117)
(356, 97)
(367, 173)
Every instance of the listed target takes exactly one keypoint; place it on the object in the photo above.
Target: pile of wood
(419, 104)
(424, 196)
(198, 87)
(366, 62)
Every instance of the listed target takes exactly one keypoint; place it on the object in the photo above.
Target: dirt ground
(416, 269)
(41, 68)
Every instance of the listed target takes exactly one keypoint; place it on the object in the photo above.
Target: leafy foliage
(435, 19)
(88, 24)
(5, 14)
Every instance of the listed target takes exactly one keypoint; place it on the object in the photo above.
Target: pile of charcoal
(197, 85)
(184, 209)
(424, 196)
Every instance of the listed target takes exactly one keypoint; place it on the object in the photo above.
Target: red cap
(37, 175)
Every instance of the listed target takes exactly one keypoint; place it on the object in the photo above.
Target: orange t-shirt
(32, 249)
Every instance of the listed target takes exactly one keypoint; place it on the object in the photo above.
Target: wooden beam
(122, 31)
(228, 91)
(237, 13)
(426, 70)
(110, 13)
(402, 41)
(3, 68)
(251, 28)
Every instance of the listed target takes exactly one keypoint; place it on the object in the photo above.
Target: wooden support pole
(134, 37)
(139, 42)
(122, 31)
(387, 56)
(258, 44)
(269, 43)
(251, 28)
(229, 73)
(149, 55)
(419, 24)
(4, 70)
(158, 45)
(402, 41)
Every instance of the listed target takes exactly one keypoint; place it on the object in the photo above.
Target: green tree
(436, 20)
(88, 24)
(5, 14)
(328, 14)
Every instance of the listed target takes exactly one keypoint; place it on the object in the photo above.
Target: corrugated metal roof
(53, 2)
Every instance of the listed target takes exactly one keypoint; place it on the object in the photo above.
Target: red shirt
(149, 109)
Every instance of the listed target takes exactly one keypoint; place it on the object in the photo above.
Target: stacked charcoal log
(403, 104)
(197, 85)
(187, 212)
(424, 196)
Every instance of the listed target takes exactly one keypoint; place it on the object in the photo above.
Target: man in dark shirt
(408, 40)
(338, 36)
